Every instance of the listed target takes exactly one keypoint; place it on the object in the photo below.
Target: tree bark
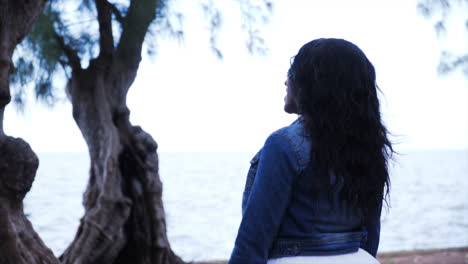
(19, 243)
(124, 219)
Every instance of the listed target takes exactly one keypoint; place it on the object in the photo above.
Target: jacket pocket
(250, 179)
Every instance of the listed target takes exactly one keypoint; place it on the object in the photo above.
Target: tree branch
(71, 54)
(106, 40)
(16, 19)
(25, 13)
(117, 14)
(139, 16)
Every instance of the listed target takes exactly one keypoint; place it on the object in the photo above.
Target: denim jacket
(279, 216)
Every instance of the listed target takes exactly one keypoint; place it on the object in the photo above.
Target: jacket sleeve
(267, 203)
(372, 225)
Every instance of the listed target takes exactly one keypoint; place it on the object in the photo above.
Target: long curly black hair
(334, 88)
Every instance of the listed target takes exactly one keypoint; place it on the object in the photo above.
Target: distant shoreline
(425, 256)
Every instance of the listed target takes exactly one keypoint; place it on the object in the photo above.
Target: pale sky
(188, 100)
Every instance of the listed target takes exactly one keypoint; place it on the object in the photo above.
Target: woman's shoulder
(295, 136)
(293, 132)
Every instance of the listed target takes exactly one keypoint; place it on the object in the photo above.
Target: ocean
(202, 198)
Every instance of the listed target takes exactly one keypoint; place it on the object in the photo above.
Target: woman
(315, 190)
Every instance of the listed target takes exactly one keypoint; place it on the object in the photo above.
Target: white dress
(359, 257)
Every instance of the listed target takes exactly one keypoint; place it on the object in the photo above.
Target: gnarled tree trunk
(19, 243)
(124, 219)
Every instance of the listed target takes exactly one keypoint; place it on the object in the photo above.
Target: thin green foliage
(71, 27)
(439, 11)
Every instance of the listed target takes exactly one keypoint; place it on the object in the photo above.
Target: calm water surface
(202, 197)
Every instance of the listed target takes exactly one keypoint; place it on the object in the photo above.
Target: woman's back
(310, 224)
(316, 187)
